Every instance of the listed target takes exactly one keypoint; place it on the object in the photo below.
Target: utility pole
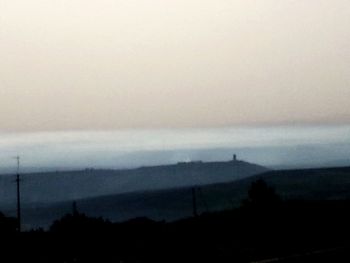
(75, 211)
(18, 196)
(194, 202)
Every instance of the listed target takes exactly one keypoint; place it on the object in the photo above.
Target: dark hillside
(172, 204)
(67, 186)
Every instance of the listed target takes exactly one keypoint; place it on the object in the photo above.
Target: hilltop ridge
(72, 185)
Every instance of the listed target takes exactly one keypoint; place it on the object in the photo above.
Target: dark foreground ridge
(263, 229)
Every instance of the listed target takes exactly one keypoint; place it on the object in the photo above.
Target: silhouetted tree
(79, 223)
(7, 224)
(261, 195)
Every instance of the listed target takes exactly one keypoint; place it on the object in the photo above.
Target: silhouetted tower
(194, 202)
(18, 196)
(234, 157)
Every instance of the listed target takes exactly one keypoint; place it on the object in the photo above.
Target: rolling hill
(67, 186)
(176, 203)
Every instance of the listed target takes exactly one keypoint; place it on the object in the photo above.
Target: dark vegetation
(264, 227)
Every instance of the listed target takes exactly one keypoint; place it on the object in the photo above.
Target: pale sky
(110, 64)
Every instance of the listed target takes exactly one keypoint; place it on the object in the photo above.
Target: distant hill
(67, 186)
(171, 204)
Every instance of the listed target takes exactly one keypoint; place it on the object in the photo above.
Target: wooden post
(194, 202)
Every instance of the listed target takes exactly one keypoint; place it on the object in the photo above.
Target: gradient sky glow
(109, 64)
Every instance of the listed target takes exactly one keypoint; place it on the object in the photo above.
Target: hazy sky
(104, 64)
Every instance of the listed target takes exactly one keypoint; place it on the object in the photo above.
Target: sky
(124, 83)
(113, 64)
